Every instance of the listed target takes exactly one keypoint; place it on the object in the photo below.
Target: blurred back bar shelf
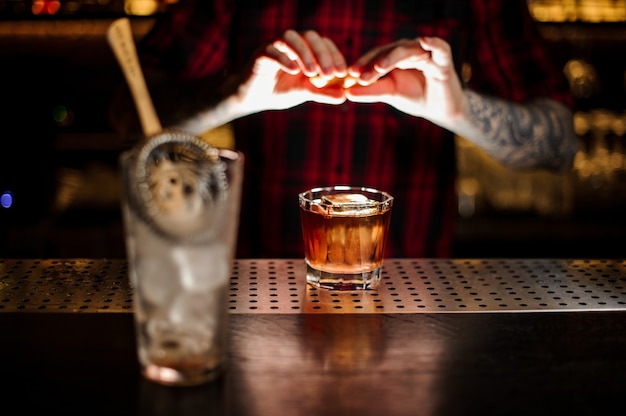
(593, 11)
(58, 73)
(37, 10)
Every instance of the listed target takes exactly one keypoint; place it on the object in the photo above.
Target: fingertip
(353, 72)
(369, 77)
(290, 66)
(318, 81)
(427, 42)
(349, 82)
(309, 69)
(382, 65)
(341, 72)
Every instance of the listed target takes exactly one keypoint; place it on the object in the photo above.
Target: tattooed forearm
(538, 134)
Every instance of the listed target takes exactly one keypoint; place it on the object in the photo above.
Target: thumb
(368, 93)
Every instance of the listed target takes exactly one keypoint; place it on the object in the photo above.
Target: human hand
(280, 76)
(415, 76)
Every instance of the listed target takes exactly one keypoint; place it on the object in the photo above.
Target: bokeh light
(49, 7)
(141, 7)
(62, 116)
(6, 199)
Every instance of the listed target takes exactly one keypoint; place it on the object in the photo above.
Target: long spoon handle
(120, 37)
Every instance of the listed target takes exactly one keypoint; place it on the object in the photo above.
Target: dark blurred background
(59, 184)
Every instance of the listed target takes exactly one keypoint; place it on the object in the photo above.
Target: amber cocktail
(344, 229)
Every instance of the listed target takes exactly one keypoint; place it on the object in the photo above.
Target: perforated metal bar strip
(278, 286)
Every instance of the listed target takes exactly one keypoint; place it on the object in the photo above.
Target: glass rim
(378, 200)
(342, 188)
(228, 154)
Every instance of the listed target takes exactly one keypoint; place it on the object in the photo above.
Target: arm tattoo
(538, 134)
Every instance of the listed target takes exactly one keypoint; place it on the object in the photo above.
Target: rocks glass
(344, 229)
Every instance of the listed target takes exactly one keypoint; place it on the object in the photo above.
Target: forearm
(208, 116)
(198, 107)
(538, 134)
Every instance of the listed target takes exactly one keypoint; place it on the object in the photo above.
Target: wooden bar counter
(440, 337)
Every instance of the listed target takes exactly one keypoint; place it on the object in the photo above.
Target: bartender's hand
(280, 76)
(415, 76)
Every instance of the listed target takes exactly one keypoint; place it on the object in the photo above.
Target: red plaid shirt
(358, 144)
